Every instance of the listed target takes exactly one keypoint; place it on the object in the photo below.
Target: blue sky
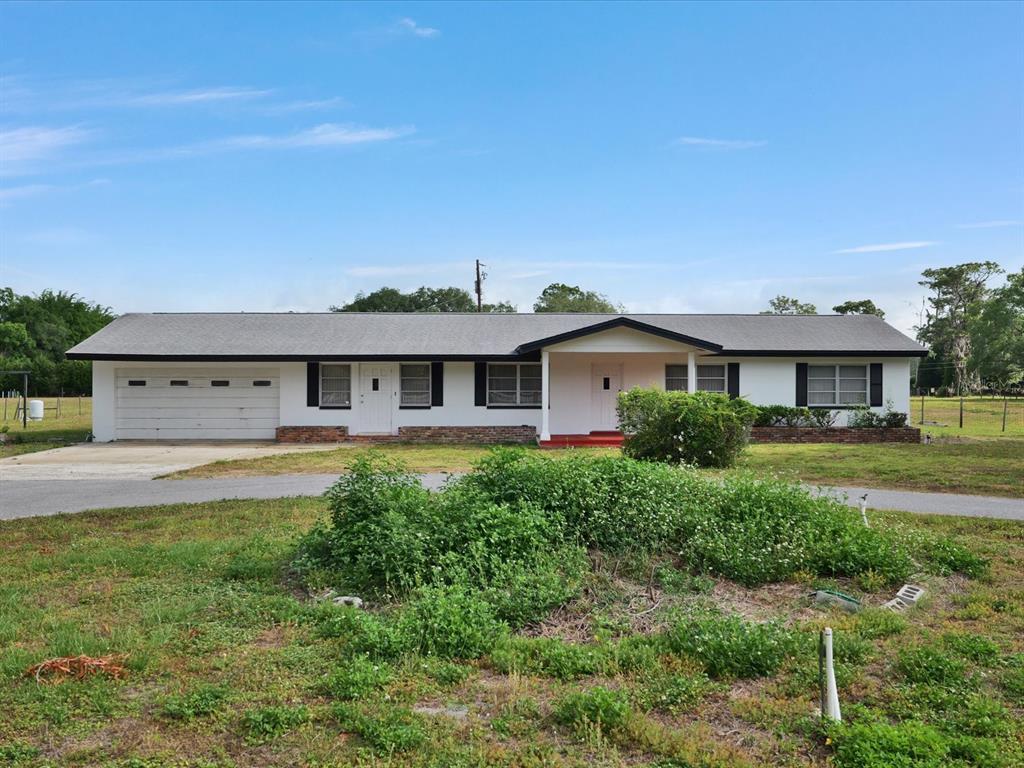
(679, 158)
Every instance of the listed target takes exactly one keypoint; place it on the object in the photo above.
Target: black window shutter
(733, 381)
(437, 383)
(480, 378)
(876, 384)
(801, 384)
(313, 384)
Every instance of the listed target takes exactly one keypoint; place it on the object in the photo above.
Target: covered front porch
(581, 379)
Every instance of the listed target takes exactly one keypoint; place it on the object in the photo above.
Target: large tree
(859, 307)
(958, 295)
(35, 331)
(997, 335)
(559, 297)
(423, 299)
(783, 305)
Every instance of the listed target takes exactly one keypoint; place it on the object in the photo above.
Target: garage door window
(335, 384)
(136, 382)
(179, 382)
(219, 383)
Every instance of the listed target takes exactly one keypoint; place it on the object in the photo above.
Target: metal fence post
(1004, 412)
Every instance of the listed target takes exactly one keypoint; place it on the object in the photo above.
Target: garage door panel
(202, 412)
(196, 423)
(239, 411)
(193, 434)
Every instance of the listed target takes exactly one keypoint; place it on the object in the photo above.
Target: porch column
(545, 389)
(691, 372)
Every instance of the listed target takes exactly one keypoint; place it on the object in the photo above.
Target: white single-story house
(474, 377)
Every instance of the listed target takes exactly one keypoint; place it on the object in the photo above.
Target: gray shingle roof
(313, 336)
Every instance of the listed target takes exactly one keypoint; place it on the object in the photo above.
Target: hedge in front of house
(706, 429)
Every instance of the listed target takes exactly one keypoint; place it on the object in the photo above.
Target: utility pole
(480, 286)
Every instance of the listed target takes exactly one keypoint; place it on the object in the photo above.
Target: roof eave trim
(824, 353)
(154, 358)
(619, 322)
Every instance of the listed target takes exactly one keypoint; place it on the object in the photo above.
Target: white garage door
(197, 403)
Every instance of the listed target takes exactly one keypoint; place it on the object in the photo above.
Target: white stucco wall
(764, 381)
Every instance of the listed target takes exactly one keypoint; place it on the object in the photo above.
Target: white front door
(376, 393)
(606, 383)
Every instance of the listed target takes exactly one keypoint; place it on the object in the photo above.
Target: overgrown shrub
(907, 745)
(449, 621)
(782, 416)
(706, 429)
(926, 665)
(728, 646)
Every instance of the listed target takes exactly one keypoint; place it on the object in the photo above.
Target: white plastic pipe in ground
(864, 510)
(827, 678)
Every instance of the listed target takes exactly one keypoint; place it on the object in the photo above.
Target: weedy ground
(228, 666)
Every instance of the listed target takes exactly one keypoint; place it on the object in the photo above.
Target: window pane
(711, 371)
(853, 398)
(334, 398)
(821, 371)
(413, 371)
(415, 398)
(821, 385)
(498, 370)
(821, 398)
(415, 385)
(853, 385)
(335, 371)
(503, 385)
(529, 398)
(853, 371)
(501, 398)
(711, 385)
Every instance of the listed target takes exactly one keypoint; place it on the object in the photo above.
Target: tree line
(35, 331)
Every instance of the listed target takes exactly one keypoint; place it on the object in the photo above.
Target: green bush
(270, 722)
(706, 429)
(608, 710)
(357, 677)
(524, 593)
(450, 622)
(784, 416)
(764, 530)
(377, 539)
(728, 646)
(977, 648)
(671, 692)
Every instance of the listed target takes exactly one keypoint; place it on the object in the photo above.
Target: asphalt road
(30, 498)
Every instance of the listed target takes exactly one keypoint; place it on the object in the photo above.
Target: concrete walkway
(25, 497)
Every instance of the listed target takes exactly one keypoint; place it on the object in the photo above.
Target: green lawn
(224, 667)
(52, 432)
(983, 416)
(994, 467)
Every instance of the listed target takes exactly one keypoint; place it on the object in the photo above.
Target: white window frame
(519, 402)
(419, 392)
(703, 376)
(677, 380)
(840, 396)
(323, 371)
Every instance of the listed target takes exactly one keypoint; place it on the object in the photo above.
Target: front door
(605, 386)
(376, 390)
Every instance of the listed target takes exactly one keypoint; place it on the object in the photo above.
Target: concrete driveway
(141, 460)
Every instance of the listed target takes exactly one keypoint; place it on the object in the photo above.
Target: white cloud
(880, 247)
(310, 105)
(990, 224)
(21, 149)
(409, 25)
(324, 135)
(705, 143)
(180, 98)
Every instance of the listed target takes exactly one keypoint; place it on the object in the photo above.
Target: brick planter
(311, 434)
(845, 435)
(463, 435)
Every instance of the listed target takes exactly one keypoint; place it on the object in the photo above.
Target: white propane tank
(35, 410)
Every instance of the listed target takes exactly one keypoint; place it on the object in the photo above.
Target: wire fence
(982, 416)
